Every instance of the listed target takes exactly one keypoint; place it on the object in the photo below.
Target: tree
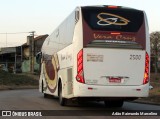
(155, 48)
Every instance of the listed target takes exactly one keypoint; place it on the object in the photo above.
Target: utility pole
(31, 45)
(15, 64)
(6, 39)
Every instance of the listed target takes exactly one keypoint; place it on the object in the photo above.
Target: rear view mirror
(38, 57)
(150, 87)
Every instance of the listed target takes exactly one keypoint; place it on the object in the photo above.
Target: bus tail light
(80, 72)
(146, 73)
(112, 7)
(115, 33)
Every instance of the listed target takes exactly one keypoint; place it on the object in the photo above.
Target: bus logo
(111, 19)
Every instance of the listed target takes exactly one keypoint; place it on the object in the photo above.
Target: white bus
(98, 53)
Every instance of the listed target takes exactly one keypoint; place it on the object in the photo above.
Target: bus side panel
(77, 46)
(65, 57)
(61, 38)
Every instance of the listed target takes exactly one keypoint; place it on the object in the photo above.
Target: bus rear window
(104, 19)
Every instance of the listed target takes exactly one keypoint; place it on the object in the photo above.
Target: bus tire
(117, 103)
(42, 87)
(62, 101)
(44, 94)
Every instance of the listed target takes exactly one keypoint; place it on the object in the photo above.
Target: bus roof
(110, 7)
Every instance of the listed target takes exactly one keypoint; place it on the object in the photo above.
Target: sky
(43, 16)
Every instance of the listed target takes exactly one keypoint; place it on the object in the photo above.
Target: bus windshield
(120, 19)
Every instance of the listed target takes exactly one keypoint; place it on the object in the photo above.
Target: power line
(17, 32)
(31, 34)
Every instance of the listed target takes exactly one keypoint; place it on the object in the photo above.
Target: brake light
(80, 75)
(112, 7)
(146, 73)
(115, 33)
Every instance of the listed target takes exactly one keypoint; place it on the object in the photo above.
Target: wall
(26, 65)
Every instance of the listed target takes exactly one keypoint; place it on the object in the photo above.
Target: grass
(155, 82)
(156, 79)
(15, 79)
(154, 94)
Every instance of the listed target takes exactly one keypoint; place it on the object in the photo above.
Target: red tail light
(115, 33)
(112, 7)
(146, 73)
(80, 75)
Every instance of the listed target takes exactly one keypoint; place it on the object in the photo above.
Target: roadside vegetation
(154, 93)
(11, 81)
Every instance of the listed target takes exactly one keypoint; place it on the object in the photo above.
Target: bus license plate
(114, 80)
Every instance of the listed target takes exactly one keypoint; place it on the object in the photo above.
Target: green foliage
(155, 48)
(155, 41)
(156, 80)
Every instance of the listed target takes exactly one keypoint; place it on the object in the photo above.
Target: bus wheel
(118, 103)
(42, 87)
(45, 95)
(62, 101)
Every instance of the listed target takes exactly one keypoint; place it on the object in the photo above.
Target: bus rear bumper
(84, 90)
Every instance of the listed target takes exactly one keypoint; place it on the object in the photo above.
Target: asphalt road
(31, 99)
